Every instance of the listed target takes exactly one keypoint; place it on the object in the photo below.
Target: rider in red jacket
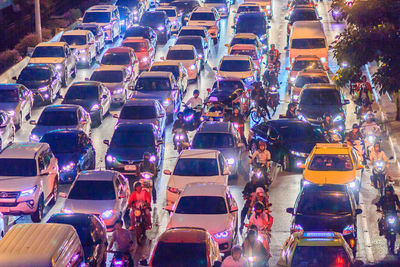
(139, 198)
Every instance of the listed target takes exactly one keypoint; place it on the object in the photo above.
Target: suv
(207, 17)
(159, 21)
(28, 179)
(83, 42)
(106, 16)
(254, 22)
(301, 63)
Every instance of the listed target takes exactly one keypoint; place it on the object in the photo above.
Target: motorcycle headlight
(68, 167)
(43, 89)
(305, 183)
(189, 117)
(118, 91)
(11, 113)
(295, 97)
(391, 220)
(338, 117)
(352, 185)
(82, 51)
(192, 67)
(222, 9)
(301, 117)
(122, 22)
(110, 158)
(145, 59)
(95, 107)
(292, 79)
(231, 161)
(323, 59)
(58, 66)
(28, 192)
(298, 228)
(135, 12)
(167, 102)
(146, 175)
(379, 164)
(153, 158)
(34, 138)
(107, 27)
(349, 229)
(371, 139)
(249, 79)
(160, 28)
(252, 258)
(220, 235)
(108, 214)
(263, 37)
(200, 56)
(299, 154)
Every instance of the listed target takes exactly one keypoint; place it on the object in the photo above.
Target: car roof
(320, 86)
(134, 126)
(199, 153)
(204, 189)
(303, 7)
(166, 63)
(331, 239)
(244, 46)
(236, 57)
(312, 72)
(204, 9)
(181, 47)
(165, 7)
(190, 37)
(215, 127)
(253, 14)
(76, 32)
(245, 35)
(23, 150)
(187, 27)
(121, 49)
(331, 148)
(135, 39)
(86, 83)
(249, 4)
(111, 67)
(101, 8)
(38, 66)
(314, 188)
(287, 122)
(69, 107)
(184, 235)
(51, 44)
(307, 29)
(140, 102)
(65, 131)
(96, 175)
(71, 218)
(306, 57)
(152, 74)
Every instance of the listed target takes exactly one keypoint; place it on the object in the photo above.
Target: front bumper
(171, 198)
(18, 207)
(124, 168)
(144, 65)
(118, 98)
(40, 97)
(192, 73)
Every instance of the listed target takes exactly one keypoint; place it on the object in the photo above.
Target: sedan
(143, 50)
(186, 54)
(74, 151)
(241, 67)
(122, 56)
(301, 14)
(94, 97)
(7, 130)
(177, 69)
(60, 117)
(199, 43)
(83, 42)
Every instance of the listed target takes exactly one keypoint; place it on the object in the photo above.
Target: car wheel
(286, 162)
(37, 216)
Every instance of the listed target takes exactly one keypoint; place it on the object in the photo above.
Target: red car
(122, 56)
(144, 51)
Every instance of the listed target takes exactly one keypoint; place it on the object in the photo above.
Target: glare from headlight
(118, 91)
(299, 154)
(27, 192)
(69, 167)
(11, 113)
(192, 67)
(323, 59)
(352, 185)
(34, 138)
(166, 102)
(107, 214)
(145, 59)
(110, 158)
(43, 89)
(338, 118)
(231, 161)
(160, 28)
(95, 107)
(58, 66)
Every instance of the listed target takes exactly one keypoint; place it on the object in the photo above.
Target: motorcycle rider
(179, 123)
(248, 192)
(123, 240)
(365, 108)
(195, 102)
(291, 111)
(216, 107)
(273, 57)
(260, 196)
(370, 126)
(147, 166)
(139, 198)
(270, 76)
(262, 156)
(375, 155)
(259, 96)
(355, 134)
(252, 247)
(364, 92)
(388, 203)
(235, 259)
(239, 119)
(261, 217)
(327, 123)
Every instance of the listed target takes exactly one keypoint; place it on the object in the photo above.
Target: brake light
(173, 190)
(339, 261)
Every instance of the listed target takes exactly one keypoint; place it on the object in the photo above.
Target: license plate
(130, 167)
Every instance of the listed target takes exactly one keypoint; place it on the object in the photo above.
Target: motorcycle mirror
(167, 172)
(360, 167)
(290, 210)
(391, 157)
(358, 211)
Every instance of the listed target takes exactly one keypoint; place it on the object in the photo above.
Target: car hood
(235, 74)
(18, 183)
(299, 146)
(329, 177)
(212, 223)
(113, 86)
(180, 182)
(153, 121)
(205, 23)
(66, 158)
(135, 154)
(86, 104)
(89, 206)
(335, 223)
(34, 84)
(317, 111)
(49, 60)
(41, 130)
(229, 152)
(8, 106)
(159, 95)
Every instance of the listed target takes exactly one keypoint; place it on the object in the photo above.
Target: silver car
(7, 130)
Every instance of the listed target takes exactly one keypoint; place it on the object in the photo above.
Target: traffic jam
(194, 133)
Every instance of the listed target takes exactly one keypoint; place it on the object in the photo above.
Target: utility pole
(38, 24)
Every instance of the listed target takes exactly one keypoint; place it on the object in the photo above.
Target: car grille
(8, 204)
(7, 195)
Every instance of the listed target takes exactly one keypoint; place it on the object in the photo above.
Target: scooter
(337, 14)
(190, 118)
(181, 140)
(391, 227)
(263, 236)
(379, 176)
(140, 223)
(120, 259)
(273, 98)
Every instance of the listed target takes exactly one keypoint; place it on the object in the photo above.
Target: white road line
(367, 239)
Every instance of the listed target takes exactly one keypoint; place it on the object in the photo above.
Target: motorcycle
(263, 236)
(181, 140)
(273, 98)
(140, 223)
(146, 181)
(333, 135)
(391, 226)
(190, 117)
(337, 14)
(120, 259)
(260, 172)
(379, 176)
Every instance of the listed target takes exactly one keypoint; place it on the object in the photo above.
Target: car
(82, 42)
(210, 206)
(207, 17)
(246, 7)
(290, 141)
(128, 144)
(199, 43)
(7, 130)
(327, 160)
(28, 179)
(122, 56)
(107, 17)
(249, 50)
(319, 98)
(179, 246)
(60, 117)
(230, 92)
(237, 66)
(222, 6)
(126, 18)
(196, 165)
(93, 96)
(57, 54)
(164, 3)
(143, 50)
(17, 101)
(300, 4)
(196, 31)
(307, 76)
(224, 137)
(253, 22)
(334, 209)
(92, 233)
(158, 20)
(144, 111)
(118, 80)
(98, 33)
(186, 54)
(74, 151)
(143, 31)
(177, 69)
(3, 225)
(320, 248)
(185, 7)
(136, 7)
(102, 193)
(159, 85)
(300, 14)
(247, 38)
(173, 16)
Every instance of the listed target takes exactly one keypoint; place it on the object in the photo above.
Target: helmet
(326, 114)
(356, 126)
(389, 188)
(146, 155)
(272, 45)
(251, 233)
(260, 190)
(291, 105)
(259, 206)
(257, 84)
(137, 184)
(236, 248)
(180, 114)
(196, 92)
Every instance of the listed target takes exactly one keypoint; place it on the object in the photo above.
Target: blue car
(74, 151)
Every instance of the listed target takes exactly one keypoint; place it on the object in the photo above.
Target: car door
(100, 238)
(48, 167)
(105, 98)
(92, 44)
(69, 59)
(160, 116)
(23, 105)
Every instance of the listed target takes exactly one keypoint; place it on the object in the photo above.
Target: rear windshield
(331, 162)
(203, 16)
(308, 43)
(325, 202)
(93, 190)
(248, 9)
(153, 84)
(244, 41)
(235, 65)
(9, 96)
(301, 14)
(169, 12)
(251, 24)
(97, 17)
(137, 46)
(185, 32)
(303, 80)
(82, 92)
(18, 167)
(196, 167)
(48, 51)
(180, 254)
(74, 39)
(300, 65)
(320, 256)
(228, 85)
(58, 118)
(107, 76)
(180, 55)
(124, 138)
(195, 42)
(201, 205)
(116, 59)
(61, 142)
(213, 140)
(320, 97)
(246, 52)
(152, 18)
(169, 68)
(137, 113)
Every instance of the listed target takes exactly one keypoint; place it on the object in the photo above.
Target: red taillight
(339, 261)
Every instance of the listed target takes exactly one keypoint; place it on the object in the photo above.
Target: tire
(37, 216)
(286, 163)
(65, 78)
(55, 193)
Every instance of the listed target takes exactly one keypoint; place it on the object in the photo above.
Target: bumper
(118, 98)
(125, 169)
(171, 198)
(225, 245)
(11, 207)
(41, 97)
(82, 59)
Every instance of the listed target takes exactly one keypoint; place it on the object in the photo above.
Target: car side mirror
(215, 68)
(358, 211)
(227, 45)
(14, 78)
(116, 116)
(290, 210)
(167, 172)
(106, 142)
(360, 167)
(162, 58)
(32, 122)
(286, 17)
(302, 166)
(169, 208)
(234, 209)
(62, 195)
(226, 172)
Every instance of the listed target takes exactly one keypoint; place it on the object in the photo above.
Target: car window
(213, 140)
(196, 167)
(331, 162)
(320, 256)
(323, 203)
(201, 205)
(221, 163)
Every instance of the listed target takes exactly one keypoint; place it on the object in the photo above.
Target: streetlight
(38, 25)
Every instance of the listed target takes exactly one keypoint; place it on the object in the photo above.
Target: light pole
(38, 24)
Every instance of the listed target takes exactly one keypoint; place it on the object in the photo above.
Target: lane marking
(367, 239)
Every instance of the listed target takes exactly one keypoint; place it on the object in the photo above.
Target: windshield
(127, 3)
(201, 205)
(179, 254)
(93, 29)
(299, 132)
(137, 32)
(331, 162)
(196, 167)
(311, 256)
(195, 42)
(107, 76)
(166, 1)
(303, 80)
(186, 32)
(124, 138)
(61, 143)
(137, 113)
(308, 43)
(48, 51)
(58, 118)
(246, 52)
(74, 39)
(235, 65)
(301, 14)
(153, 84)
(86, 92)
(256, 25)
(9, 96)
(203, 16)
(213, 140)
(180, 55)
(248, 9)
(170, 68)
(230, 86)
(300, 65)
(116, 59)
(315, 97)
(97, 17)
(34, 74)
(18, 167)
(150, 18)
(323, 203)
(216, 1)
(136, 46)
(244, 41)
(92, 190)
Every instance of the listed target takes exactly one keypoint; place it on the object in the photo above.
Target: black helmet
(251, 233)
(389, 188)
(196, 92)
(180, 114)
(292, 105)
(137, 184)
(356, 126)
(146, 155)
(259, 206)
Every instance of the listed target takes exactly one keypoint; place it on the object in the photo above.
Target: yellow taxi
(333, 164)
(316, 249)
(247, 38)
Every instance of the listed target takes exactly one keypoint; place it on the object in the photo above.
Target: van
(42, 245)
(308, 38)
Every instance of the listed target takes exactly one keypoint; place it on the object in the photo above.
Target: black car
(43, 80)
(126, 18)
(142, 31)
(185, 7)
(326, 208)
(159, 21)
(93, 96)
(300, 14)
(198, 43)
(253, 22)
(74, 151)
(289, 140)
(137, 8)
(92, 233)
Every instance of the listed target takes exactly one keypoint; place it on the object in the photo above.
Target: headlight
(68, 167)
(299, 154)
(298, 228)
(11, 113)
(145, 59)
(118, 91)
(220, 235)
(67, 211)
(82, 51)
(380, 164)
(252, 258)
(122, 22)
(323, 59)
(192, 67)
(268, 6)
(107, 27)
(231, 161)
(352, 185)
(249, 79)
(110, 158)
(263, 37)
(95, 107)
(153, 158)
(28, 192)
(135, 12)
(349, 229)
(223, 9)
(295, 97)
(160, 28)
(34, 138)
(338, 118)
(167, 102)
(301, 117)
(43, 89)
(391, 220)
(189, 117)
(306, 183)
(371, 139)
(58, 66)
(200, 55)
(292, 79)
(174, 22)
(108, 214)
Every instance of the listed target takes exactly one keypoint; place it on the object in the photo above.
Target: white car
(98, 192)
(105, 16)
(186, 54)
(239, 67)
(84, 44)
(207, 17)
(194, 166)
(7, 130)
(173, 16)
(209, 206)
